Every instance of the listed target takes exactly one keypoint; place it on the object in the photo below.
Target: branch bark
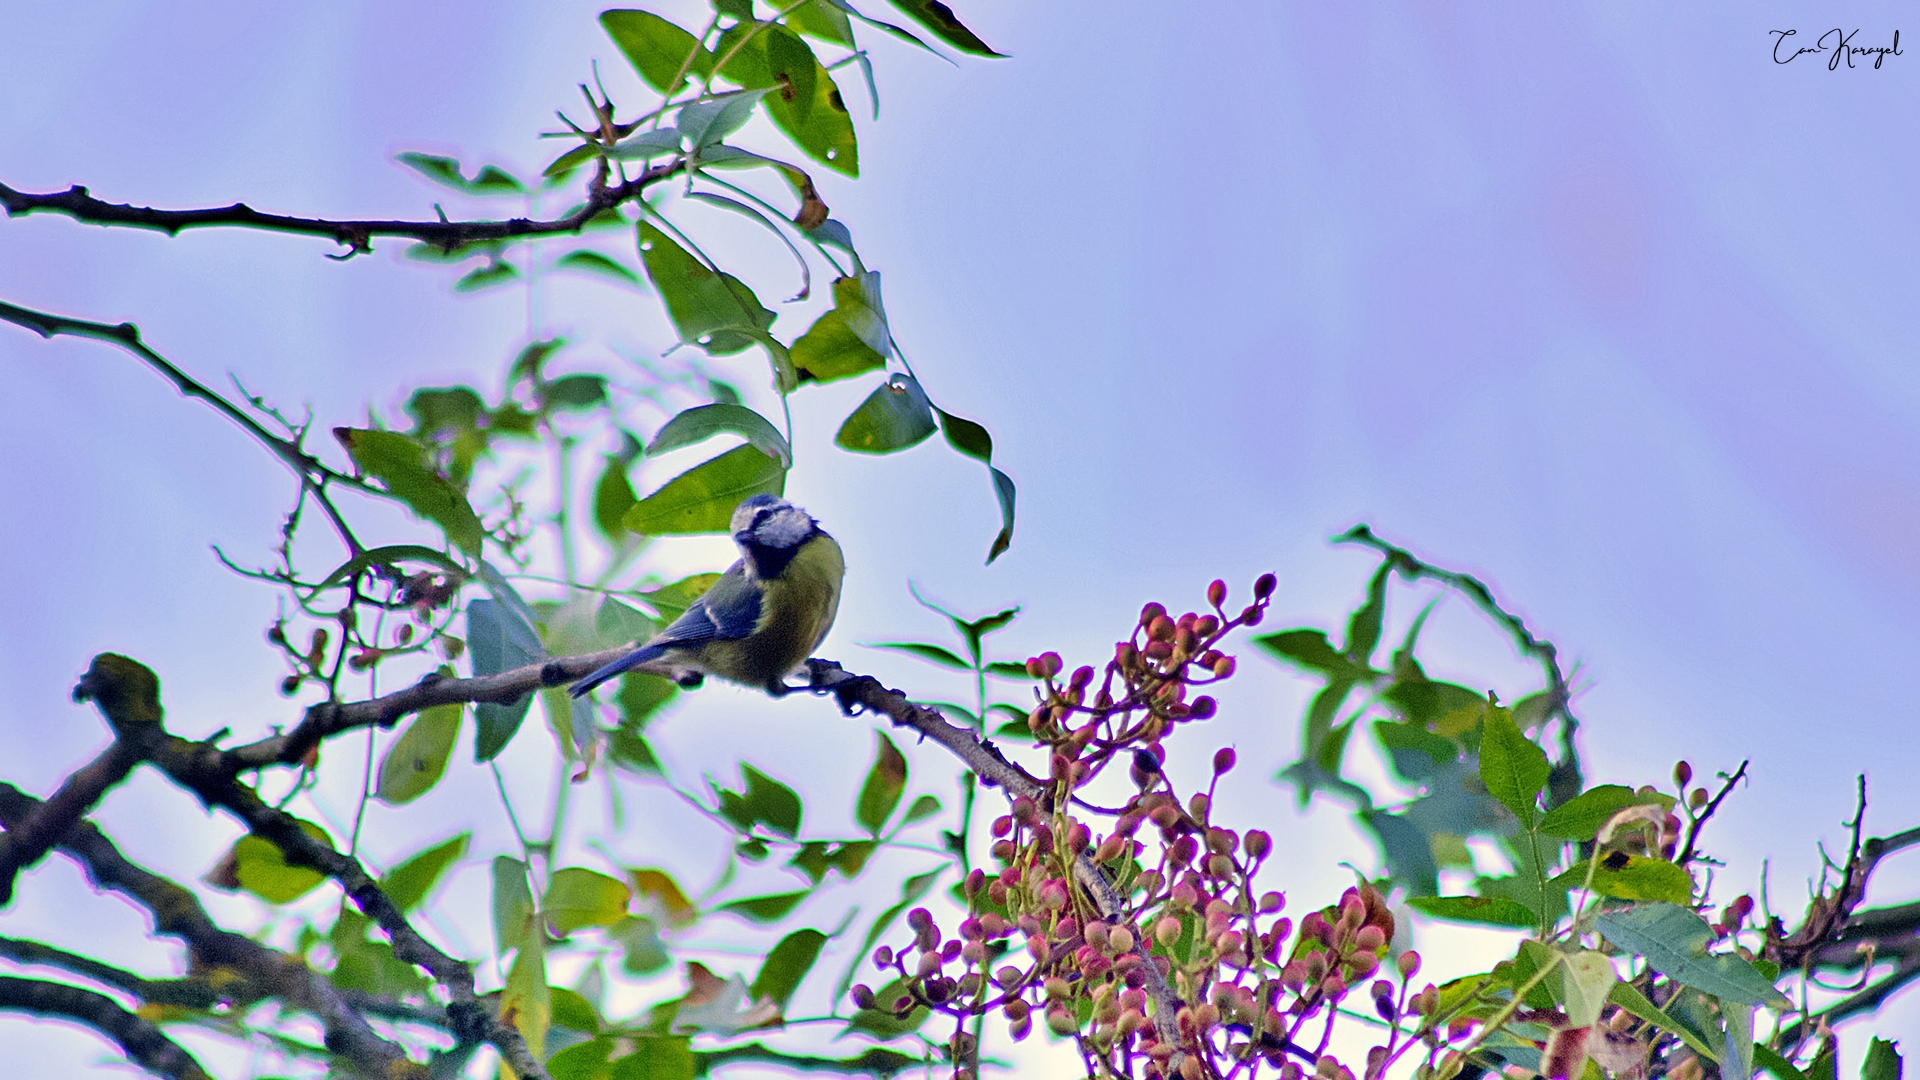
(355, 234)
(178, 913)
(143, 1043)
(26, 844)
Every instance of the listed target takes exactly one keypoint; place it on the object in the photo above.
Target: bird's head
(769, 530)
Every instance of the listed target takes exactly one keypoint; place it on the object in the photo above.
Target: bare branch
(314, 475)
(24, 845)
(190, 993)
(121, 687)
(1693, 831)
(356, 235)
(143, 1042)
(178, 913)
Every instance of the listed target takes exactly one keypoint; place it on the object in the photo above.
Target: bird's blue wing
(727, 611)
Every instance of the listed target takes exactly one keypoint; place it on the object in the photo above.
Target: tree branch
(356, 235)
(26, 844)
(128, 695)
(863, 692)
(189, 993)
(313, 474)
(178, 913)
(143, 1042)
(1700, 822)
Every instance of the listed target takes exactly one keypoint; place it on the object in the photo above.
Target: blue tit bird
(764, 617)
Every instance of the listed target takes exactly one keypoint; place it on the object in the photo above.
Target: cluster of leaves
(1598, 875)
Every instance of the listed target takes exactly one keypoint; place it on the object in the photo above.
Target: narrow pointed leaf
(705, 421)
(886, 782)
(702, 499)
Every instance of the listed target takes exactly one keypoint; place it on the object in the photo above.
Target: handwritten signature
(1837, 45)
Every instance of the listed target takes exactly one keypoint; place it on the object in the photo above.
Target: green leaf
(612, 497)
(672, 601)
(1408, 850)
(526, 996)
(822, 20)
(409, 883)
(640, 696)
(784, 968)
(1003, 492)
(1511, 766)
(559, 167)
(1428, 703)
(923, 808)
(766, 909)
(714, 310)
(416, 760)
(764, 800)
(1674, 940)
(400, 464)
(263, 870)
(578, 897)
(1629, 998)
(1007, 669)
(1492, 910)
(933, 654)
(940, 19)
(702, 422)
(702, 499)
(1310, 649)
(658, 1058)
(1580, 817)
(805, 103)
(895, 416)
(642, 950)
(481, 278)
(572, 1010)
(1585, 978)
(390, 557)
(886, 782)
(512, 903)
(702, 123)
(499, 639)
(648, 144)
(1771, 1061)
(1363, 630)
(629, 750)
(442, 170)
(830, 349)
(1414, 752)
(1631, 877)
(656, 48)
(1883, 1061)
(574, 392)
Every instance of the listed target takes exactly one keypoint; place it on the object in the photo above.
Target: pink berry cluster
(1137, 930)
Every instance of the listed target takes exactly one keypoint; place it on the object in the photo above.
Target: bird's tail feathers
(625, 664)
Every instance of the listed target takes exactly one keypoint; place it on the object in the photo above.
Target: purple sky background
(1594, 300)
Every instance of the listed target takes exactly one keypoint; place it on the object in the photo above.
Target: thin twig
(22, 846)
(1700, 822)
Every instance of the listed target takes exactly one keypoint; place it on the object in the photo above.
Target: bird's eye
(760, 518)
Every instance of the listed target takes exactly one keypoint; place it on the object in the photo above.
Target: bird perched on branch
(763, 618)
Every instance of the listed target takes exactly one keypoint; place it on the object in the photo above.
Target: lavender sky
(1596, 300)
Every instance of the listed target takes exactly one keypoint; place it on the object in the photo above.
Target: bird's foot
(690, 680)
